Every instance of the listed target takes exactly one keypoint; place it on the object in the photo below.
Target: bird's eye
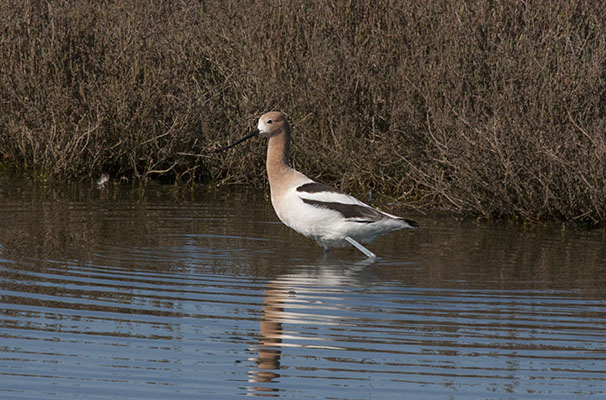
(269, 121)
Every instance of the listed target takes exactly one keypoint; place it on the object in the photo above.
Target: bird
(318, 211)
(102, 181)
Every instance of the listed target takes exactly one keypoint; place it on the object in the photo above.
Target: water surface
(159, 292)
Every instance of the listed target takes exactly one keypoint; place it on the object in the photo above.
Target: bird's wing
(324, 196)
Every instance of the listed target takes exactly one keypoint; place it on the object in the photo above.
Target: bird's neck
(278, 156)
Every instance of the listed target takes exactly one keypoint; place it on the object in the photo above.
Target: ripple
(210, 300)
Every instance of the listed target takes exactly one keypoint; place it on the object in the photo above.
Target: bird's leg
(363, 249)
(324, 246)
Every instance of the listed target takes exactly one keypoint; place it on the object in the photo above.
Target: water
(161, 293)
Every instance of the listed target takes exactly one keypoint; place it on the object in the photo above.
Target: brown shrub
(488, 108)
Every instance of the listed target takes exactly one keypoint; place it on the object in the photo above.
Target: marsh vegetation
(495, 109)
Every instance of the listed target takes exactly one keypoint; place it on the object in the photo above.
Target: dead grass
(495, 109)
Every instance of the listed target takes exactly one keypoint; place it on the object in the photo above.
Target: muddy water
(162, 293)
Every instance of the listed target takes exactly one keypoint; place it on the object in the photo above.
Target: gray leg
(325, 247)
(358, 246)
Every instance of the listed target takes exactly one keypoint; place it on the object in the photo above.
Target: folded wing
(324, 196)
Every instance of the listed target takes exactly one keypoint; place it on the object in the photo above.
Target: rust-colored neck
(278, 157)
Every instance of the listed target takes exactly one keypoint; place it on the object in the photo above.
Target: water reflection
(342, 325)
(289, 290)
(167, 293)
(270, 334)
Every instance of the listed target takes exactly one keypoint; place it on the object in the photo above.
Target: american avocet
(320, 212)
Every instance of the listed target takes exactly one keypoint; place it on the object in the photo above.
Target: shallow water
(161, 293)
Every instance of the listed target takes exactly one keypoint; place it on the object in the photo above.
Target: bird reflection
(270, 332)
(278, 293)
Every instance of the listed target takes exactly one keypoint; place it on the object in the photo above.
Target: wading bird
(320, 212)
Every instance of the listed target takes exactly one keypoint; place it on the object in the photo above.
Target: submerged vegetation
(495, 109)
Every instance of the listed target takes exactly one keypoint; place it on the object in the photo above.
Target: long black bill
(245, 138)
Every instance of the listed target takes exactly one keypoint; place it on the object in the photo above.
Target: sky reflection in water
(165, 293)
